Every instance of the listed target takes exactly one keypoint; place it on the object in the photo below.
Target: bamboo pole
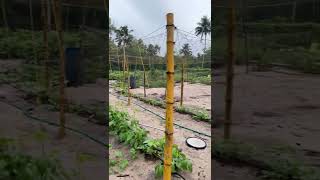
(124, 65)
(118, 60)
(57, 17)
(110, 63)
(45, 43)
(229, 77)
(144, 83)
(49, 14)
(182, 85)
(4, 15)
(245, 19)
(186, 71)
(38, 79)
(144, 75)
(294, 8)
(128, 73)
(169, 99)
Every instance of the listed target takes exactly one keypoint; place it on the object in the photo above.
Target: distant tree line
(16, 14)
(287, 11)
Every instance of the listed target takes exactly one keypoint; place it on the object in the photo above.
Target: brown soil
(272, 108)
(201, 159)
(198, 95)
(222, 171)
(15, 124)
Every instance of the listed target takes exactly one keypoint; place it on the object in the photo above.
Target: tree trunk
(205, 46)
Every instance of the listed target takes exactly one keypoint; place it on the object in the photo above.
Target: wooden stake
(169, 99)
(57, 17)
(144, 75)
(110, 63)
(118, 60)
(124, 65)
(45, 43)
(128, 72)
(182, 79)
(4, 15)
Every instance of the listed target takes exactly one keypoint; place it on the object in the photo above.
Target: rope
(153, 32)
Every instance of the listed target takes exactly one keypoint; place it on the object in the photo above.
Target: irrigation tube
(162, 118)
(57, 125)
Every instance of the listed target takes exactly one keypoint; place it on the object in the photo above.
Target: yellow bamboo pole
(169, 99)
(229, 76)
(182, 79)
(57, 17)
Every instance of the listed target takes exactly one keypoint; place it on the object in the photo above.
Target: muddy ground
(15, 124)
(198, 95)
(272, 108)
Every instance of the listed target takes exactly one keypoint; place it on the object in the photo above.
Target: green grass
(275, 162)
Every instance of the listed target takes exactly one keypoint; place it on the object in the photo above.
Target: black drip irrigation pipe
(162, 118)
(57, 125)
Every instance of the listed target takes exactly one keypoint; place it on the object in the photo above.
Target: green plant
(16, 166)
(133, 153)
(41, 136)
(119, 163)
(129, 131)
(201, 115)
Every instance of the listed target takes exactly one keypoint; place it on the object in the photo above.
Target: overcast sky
(145, 16)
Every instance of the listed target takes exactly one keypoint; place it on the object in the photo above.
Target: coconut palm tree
(203, 29)
(185, 50)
